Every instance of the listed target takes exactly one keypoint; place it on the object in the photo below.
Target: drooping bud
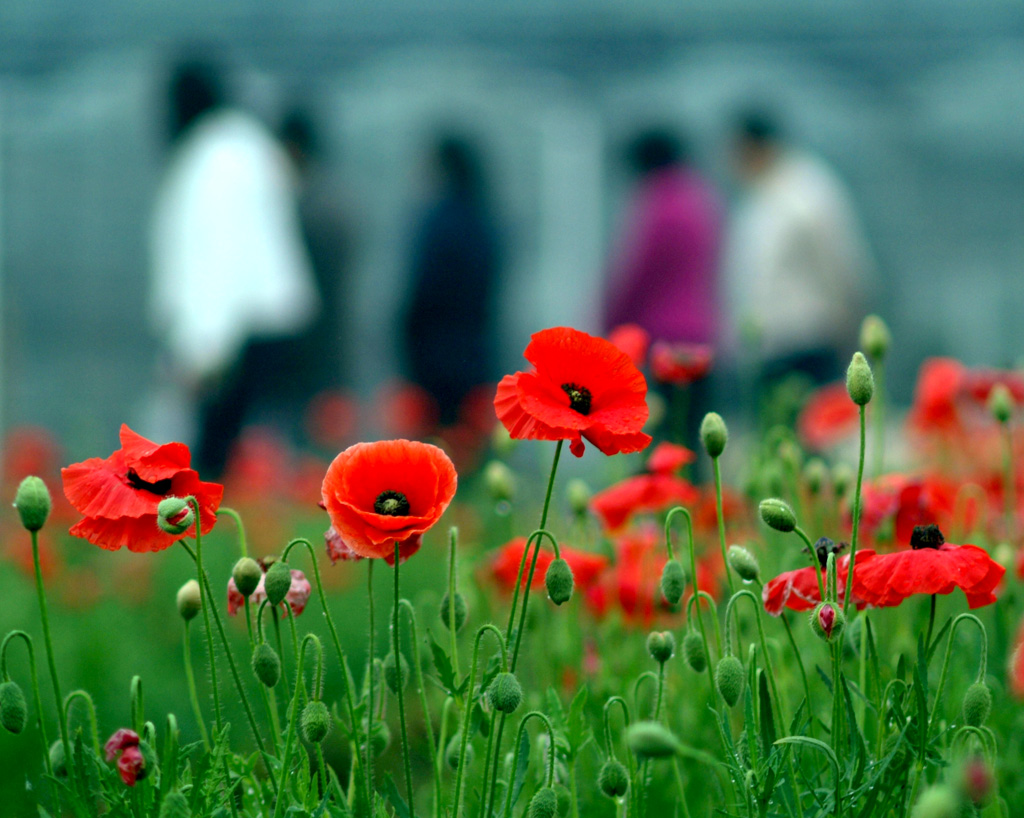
(693, 651)
(673, 582)
(544, 804)
(451, 752)
(777, 514)
(815, 475)
(650, 739)
(977, 704)
(613, 778)
(391, 671)
(505, 694)
(277, 583)
(713, 434)
(174, 515)
(743, 563)
(461, 611)
(246, 574)
(175, 805)
(842, 479)
(190, 600)
(58, 759)
(558, 581)
(563, 801)
(33, 503)
(316, 722)
(1000, 403)
(729, 679)
(380, 737)
(828, 621)
(860, 383)
(578, 493)
(938, 802)
(500, 482)
(661, 645)
(13, 707)
(266, 664)
(875, 337)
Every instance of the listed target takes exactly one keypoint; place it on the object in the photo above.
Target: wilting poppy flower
(581, 387)
(935, 397)
(377, 494)
(680, 364)
(640, 493)
(338, 549)
(633, 340)
(119, 495)
(131, 764)
(296, 598)
(798, 590)
(586, 567)
(932, 566)
(668, 458)
(828, 417)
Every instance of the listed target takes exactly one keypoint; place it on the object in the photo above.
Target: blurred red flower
(581, 387)
(377, 494)
(633, 340)
(680, 363)
(938, 383)
(586, 567)
(911, 501)
(119, 495)
(668, 458)
(296, 598)
(827, 417)
(640, 493)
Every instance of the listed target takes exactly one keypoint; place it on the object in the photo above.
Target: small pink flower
(297, 597)
(338, 549)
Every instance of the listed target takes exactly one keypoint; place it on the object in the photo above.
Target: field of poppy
(822, 632)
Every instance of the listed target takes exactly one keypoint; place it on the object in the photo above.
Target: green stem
(190, 680)
(721, 520)
(982, 662)
(1009, 486)
(453, 536)
(533, 714)
(372, 794)
(679, 785)
(234, 515)
(421, 689)
(815, 562)
(37, 699)
(878, 416)
(41, 593)
(401, 692)
(856, 516)
(290, 741)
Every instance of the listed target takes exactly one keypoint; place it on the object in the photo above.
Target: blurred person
(796, 262)
(230, 274)
(448, 323)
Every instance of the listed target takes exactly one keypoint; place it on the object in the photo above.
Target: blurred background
(916, 107)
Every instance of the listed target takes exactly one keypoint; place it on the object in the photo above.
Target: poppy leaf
(577, 728)
(521, 767)
(767, 719)
(443, 665)
(401, 808)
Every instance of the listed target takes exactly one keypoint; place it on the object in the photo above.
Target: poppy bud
(277, 582)
(175, 805)
(461, 611)
(578, 494)
(391, 672)
(729, 679)
(505, 693)
(613, 779)
(451, 752)
(938, 802)
(743, 563)
(33, 503)
(174, 515)
(149, 760)
(246, 574)
(673, 582)
(977, 704)
(649, 739)
(875, 337)
(693, 650)
(13, 707)
(1000, 403)
(544, 804)
(842, 477)
(380, 737)
(500, 482)
(266, 664)
(316, 722)
(777, 514)
(860, 383)
(713, 434)
(190, 600)
(563, 800)
(58, 759)
(501, 440)
(661, 646)
(815, 474)
(789, 453)
(828, 621)
(558, 581)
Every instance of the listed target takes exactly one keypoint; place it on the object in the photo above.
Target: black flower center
(926, 536)
(160, 487)
(823, 547)
(391, 503)
(579, 397)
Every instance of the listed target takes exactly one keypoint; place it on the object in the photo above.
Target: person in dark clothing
(448, 321)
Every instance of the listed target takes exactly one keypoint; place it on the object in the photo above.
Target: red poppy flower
(798, 590)
(338, 549)
(932, 566)
(911, 501)
(935, 397)
(119, 495)
(296, 598)
(668, 458)
(640, 493)
(633, 340)
(581, 387)
(377, 494)
(131, 765)
(828, 417)
(680, 363)
(586, 567)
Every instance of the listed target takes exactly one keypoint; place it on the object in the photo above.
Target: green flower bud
(938, 802)
(661, 646)
(714, 434)
(729, 675)
(842, 479)
(391, 672)
(860, 383)
(380, 737)
(246, 574)
(673, 582)
(500, 482)
(563, 800)
(277, 582)
(266, 664)
(461, 611)
(875, 337)
(33, 503)
(815, 475)
(505, 694)
(789, 453)
(828, 621)
(316, 722)
(58, 759)
(578, 493)
(743, 563)
(501, 441)
(174, 515)
(1000, 403)
(544, 804)
(149, 760)
(13, 707)
(693, 650)
(777, 514)
(613, 779)
(190, 600)
(175, 805)
(650, 739)
(451, 752)
(977, 704)
(558, 581)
